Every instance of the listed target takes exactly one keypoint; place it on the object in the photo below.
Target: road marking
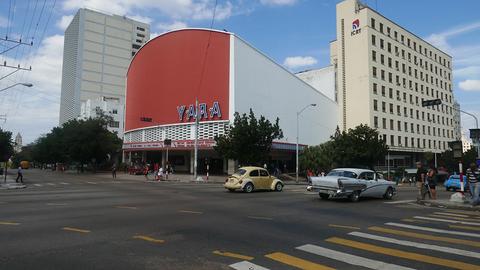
(75, 230)
(343, 226)
(413, 220)
(261, 218)
(466, 212)
(190, 212)
(93, 183)
(9, 223)
(447, 220)
(428, 229)
(449, 214)
(149, 239)
(426, 236)
(399, 202)
(244, 265)
(51, 184)
(63, 183)
(56, 204)
(456, 251)
(232, 255)
(126, 207)
(296, 262)
(403, 254)
(37, 185)
(465, 227)
(350, 259)
(455, 218)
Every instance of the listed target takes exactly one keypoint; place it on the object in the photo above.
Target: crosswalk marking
(464, 227)
(447, 220)
(51, 184)
(456, 251)
(403, 254)
(466, 212)
(455, 218)
(93, 183)
(37, 185)
(64, 183)
(296, 262)
(432, 229)
(426, 236)
(450, 214)
(245, 265)
(350, 259)
(233, 255)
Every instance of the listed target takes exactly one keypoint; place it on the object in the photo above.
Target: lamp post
(13, 85)
(296, 148)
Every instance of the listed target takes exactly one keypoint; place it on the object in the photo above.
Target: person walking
(19, 174)
(160, 174)
(145, 171)
(420, 178)
(114, 171)
(473, 177)
(431, 182)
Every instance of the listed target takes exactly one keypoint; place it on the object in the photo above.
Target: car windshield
(455, 176)
(240, 172)
(342, 173)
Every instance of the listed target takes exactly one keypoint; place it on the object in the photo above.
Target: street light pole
(296, 148)
(13, 85)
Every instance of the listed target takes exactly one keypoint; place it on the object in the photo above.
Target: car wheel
(231, 190)
(248, 187)
(355, 196)
(278, 187)
(388, 194)
(324, 196)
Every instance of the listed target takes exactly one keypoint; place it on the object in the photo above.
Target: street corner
(448, 204)
(12, 186)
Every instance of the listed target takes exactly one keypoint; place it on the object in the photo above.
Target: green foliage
(6, 145)
(248, 140)
(359, 147)
(81, 141)
(25, 154)
(446, 159)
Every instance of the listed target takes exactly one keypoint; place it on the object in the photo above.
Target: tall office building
(97, 51)
(383, 73)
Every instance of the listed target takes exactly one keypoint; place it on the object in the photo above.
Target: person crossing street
(19, 174)
(473, 177)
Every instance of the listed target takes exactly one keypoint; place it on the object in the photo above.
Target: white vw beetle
(353, 184)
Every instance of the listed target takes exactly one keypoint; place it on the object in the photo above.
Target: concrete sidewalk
(10, 183)
(449, 204)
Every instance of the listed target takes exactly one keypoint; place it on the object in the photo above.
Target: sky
(295, 33)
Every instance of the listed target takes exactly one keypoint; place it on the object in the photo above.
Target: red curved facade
(173, 69)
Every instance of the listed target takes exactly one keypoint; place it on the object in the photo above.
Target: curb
(10, 186)
(449, 205)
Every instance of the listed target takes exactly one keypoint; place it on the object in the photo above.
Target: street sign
(475, 133)
(457, 148)
(431, 102)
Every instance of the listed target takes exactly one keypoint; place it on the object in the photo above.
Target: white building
(97, 51)
(18, 143)
(466, 143)
(112, 107)
(322, 79)
(457, 122)
(383, 73)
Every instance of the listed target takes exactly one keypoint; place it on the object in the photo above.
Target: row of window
(415, 99)
(424, 116)
(412, 44)
(411, 142)
(412, 128)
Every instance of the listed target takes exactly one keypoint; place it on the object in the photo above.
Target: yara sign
(204, 112)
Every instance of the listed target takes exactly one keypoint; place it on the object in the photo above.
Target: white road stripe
(245, 265)
(50, 184)
(63, 183)
(448, 220)
(413, 227)
(37, 185)
(460, 252)
(351, 259)
(450, 214)
(93, 183)
(399, 202)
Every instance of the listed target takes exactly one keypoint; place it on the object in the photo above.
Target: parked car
(352, 183)
(453, 183)
(249, 179)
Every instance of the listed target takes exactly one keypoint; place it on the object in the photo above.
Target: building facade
(97, 51)
(232, 77)
(18, 143)
(322, 79)
(105, 106)
(457, 122)
(383, 73)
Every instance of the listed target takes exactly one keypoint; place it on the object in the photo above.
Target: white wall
(272, 91)
(322, 79)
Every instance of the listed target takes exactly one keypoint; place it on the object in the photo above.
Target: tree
(6, 146)
(248, 140)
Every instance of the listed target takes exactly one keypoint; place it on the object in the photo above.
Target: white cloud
(64, 22)
(141, 18)
(175, 9)
(470, 85)
(299, 61)
(441, 39)
(165, 27)
(3, 22)
(470, 71)
(278, 2)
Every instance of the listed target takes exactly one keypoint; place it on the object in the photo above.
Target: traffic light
(431, 102)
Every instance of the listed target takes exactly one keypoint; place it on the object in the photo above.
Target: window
(374, 56)
(384, 123)
(263, 173)
(374, 40)
(372, 23)
(136, 46)
(382, 59)
(382, 74)
(383, 106)
(375, 121)
(140, 35)
(254, 173)
(375, 88)
(391, 108)
(390, 92)
(138, 40)
(392, 140)
(391, 124)
(375, 105)
(374, 72)
(389, 47)
(140, 28)
(382, 44)
(381, 27)
(114, 111)
(399, 126)
(114, 124)
(388, 31)
(383, 91)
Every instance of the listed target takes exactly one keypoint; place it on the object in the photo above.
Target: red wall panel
(167, 73)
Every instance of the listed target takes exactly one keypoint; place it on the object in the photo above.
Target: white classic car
(353, 184)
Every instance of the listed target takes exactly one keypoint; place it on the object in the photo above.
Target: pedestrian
(114, 171)
(473, 177)
(145, 171)
(160, 173)
(420, 180)
(431, 182)
(19, 174)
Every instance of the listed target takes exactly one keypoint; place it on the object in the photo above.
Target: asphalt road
(64, 221)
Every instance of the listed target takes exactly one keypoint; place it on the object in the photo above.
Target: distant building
(18, 143)
(97, 51)
(94, 108)
(466, 142)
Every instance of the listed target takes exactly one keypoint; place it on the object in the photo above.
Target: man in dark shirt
(473, 177)
(420, 178)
